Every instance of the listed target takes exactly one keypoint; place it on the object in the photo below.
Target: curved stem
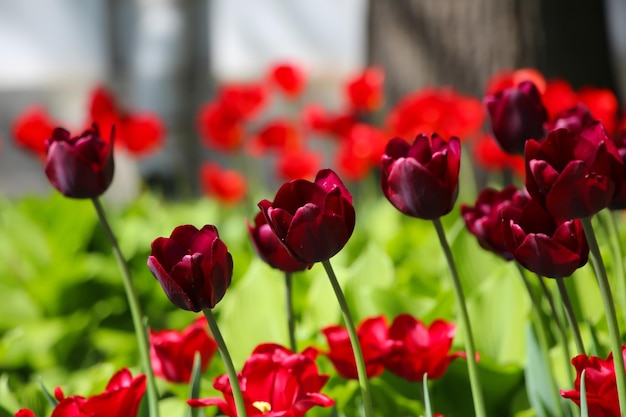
(291, 321)
(354, 339)
(135, 312)
(477, 394)
(228, 363)
(609, 311)
(571, 317)
(542, 338)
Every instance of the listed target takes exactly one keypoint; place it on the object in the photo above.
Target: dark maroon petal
(168, 252)
(397, 148)
(328, 180)
(184, 235)
(421, 149)
(171, 288)
(545, 256)
(280, 222)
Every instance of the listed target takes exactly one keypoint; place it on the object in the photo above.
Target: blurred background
(167, 56)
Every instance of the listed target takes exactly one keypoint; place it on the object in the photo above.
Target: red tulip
(269, 248)
(361, 150)
(31, 130)
(421, 180)
(79, 167)
(374, 343)
(24, 412)
(416, 349)
(275, 382)
(484, 219)
(365, 91)
(321, 121)
(139, 133)
(600, 385)
(574, 119)
(121, 398)
(574, 175)
(558, 96)
(516, 114)
(509, 79)
(227, 185)
(298, 164)
(289, 78)
(172, 352)
(540, 243)
(491, 157)
(436, 110)
(313, 220)
(244, 101)
(279, 134)
(219, 128)
(193, 266)
(602, 104)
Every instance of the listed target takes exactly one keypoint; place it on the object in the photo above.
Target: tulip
(121, 398)
(541, 244)
(421, 180)
(313, 220)
(484, 220)
(172, 352)
(600, 385)
(275, 382)
(31, 129)
(365, 90)
(574, 119)
(288, 78)
(79, 167)
(516, 114)
(416, 350)
(619, 200)
(269, 248)
(574, 175)
(374, 342)
(193, 266)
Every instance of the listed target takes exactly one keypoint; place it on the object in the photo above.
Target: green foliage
(64, 316)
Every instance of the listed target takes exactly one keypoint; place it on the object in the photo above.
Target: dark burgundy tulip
(484, 219)
(269, 248)
(421, 180)
(313, 220)
(619, 200)
(82, 166)
(193, 266)
(574, 175)
(574, 119)
(516, 114)
(541, 244)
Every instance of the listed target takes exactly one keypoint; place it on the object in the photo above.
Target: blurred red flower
(31, 129)
(278, 134)
(243, 101)
(319, 120)
(365, 91)
(558, 96)
(139, 133)
(440, 110)
(374, 343)
(289, 78)
(298, 164)
(602, 105)
(220, 129)
(512, 78)
(361, 150)
(121, 398)
(227, 185)
(172, 352)
(491, 157)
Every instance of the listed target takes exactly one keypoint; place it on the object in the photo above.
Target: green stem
(240, 405)
(135, 312)
(542, 338)
(571, 316)
(612, 231)
(354, 339)
(556, 315)
(609, 311)
(477, 394)
(291, 321)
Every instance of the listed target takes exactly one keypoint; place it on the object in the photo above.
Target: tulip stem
(571, 316)
(609, 311)
(291, 321)
(135, 311)
(240, 405)
(542, 339)
(612, 232)
(477, 394)
(354, 339)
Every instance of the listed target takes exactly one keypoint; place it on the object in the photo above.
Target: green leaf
(428, 410)
(583, 396)
(194, 384)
